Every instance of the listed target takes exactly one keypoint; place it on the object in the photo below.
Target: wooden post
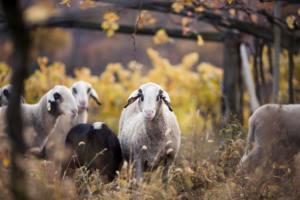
(276, 55)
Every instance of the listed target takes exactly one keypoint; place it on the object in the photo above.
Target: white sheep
(273, 135)
(82, 92)
(39, 119)
(148, 130)
(5, 93)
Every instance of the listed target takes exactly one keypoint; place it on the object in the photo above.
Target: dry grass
(205, 169)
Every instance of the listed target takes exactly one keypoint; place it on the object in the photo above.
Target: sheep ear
(166, 99)
(49, 106)
(131, 100)
(95, 97)
(134, 98)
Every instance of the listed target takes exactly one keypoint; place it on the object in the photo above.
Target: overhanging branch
(127, 29)
(256, 30)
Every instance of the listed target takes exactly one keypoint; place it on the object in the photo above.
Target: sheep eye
(74, 90)
(6, 93)
(56, 96)
(158, 97)
(88, 90)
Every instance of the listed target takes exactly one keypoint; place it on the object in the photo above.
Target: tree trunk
(231, 104)
(20, 36)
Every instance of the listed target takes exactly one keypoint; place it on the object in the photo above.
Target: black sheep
(96, 147)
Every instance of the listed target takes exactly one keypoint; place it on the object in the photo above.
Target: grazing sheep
(273, 135)
(40, 118)
(95, 146)
(148, 131)
(5, 93)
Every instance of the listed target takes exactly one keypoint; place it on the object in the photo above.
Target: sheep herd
(149, 134)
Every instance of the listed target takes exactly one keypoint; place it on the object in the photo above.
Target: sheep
(96, 146)
(81, 91)
(148, 130)
(5, 93)
(39, 119)
(273, 135)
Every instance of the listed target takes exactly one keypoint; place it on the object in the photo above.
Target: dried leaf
(290, 20)
(177, 7)
(200, 40)
(161, 37)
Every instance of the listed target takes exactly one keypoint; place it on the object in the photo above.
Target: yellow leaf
(177, 7)
(111, 16)
(161, 37)
(185, 21)
(200, 40)
(87, 4)
(38, 12)
(109, 25)
(199, 9)
(232, 12)
(145, 18)
(230, 1)
(65, 2)
(290, 20)
(6, 162)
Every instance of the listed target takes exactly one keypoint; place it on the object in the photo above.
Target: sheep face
(61, 101)
(150, 97)
(82, 91)
(4, 96)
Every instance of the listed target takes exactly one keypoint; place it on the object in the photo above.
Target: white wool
(158, 135)
(97, 125)
(37, 120)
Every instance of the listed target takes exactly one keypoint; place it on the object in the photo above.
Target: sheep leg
(138, 169)
(251, 161)
(165, 173)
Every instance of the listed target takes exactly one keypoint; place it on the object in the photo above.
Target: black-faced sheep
(39, 119)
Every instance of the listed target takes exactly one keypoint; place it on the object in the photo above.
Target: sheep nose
(149, 113)
(82, 103)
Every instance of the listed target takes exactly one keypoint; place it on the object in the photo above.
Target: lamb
(273, 135)
(148, 130)
(95, 146)
(40, 118)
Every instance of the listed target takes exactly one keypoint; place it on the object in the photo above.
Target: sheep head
(5, 94)
(82, 91)
(150, 97)
(61, 101)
